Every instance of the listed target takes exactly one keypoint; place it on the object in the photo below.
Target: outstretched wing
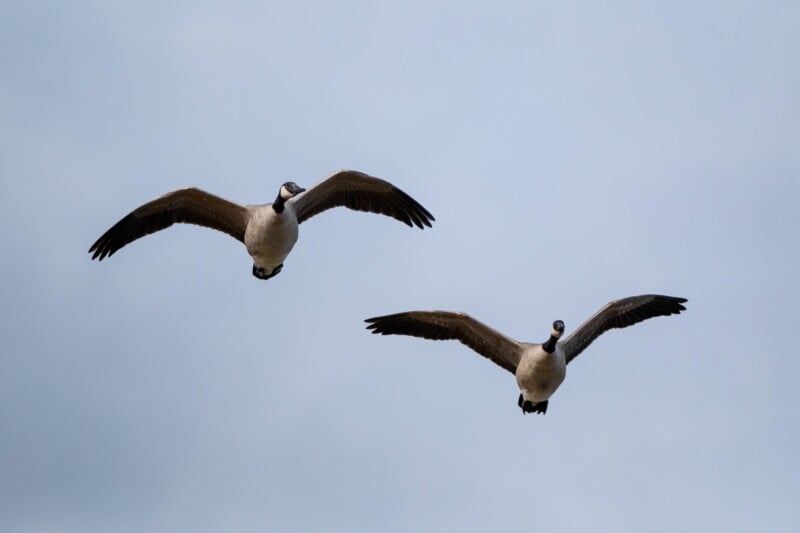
(442, 325)
(620, 314)
(191, 206)
(360, 192)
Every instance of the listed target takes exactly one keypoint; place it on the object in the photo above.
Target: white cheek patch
(555, 333)
(285, 194)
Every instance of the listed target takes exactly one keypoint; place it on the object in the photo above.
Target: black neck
(278, 204)
(550, 345)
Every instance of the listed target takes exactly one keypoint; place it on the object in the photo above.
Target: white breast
(539, 374)
(270, 236)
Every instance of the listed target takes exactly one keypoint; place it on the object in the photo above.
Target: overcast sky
(572, 154)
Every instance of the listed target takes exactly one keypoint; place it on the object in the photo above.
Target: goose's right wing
(192, 206)
(442, 325)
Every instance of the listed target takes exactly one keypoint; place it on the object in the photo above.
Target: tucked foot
(263, 273)
(530, 407)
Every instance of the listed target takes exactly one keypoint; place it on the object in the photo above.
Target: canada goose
(539, 368)
(268, 231)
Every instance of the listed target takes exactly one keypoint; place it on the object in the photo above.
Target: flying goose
(268, 231)
(539, 368)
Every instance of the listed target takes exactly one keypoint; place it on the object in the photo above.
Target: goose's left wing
(620, 314)
(360, 192)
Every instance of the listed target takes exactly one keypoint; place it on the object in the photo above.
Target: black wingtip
(95, 251)
(679, 301)
(427, 218)
(380, 325)
(373, 324)
(427, 222)
(671, 305)
(411, 212)
(99, 252)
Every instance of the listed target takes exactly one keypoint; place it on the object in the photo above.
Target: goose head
(550, 344)
(558, 329)
(289, 190)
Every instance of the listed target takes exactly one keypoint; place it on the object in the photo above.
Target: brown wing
(442, 325)
(620, 314)
(360, 192)
(191, 206)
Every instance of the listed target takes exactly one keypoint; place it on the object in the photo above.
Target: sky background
(572, 154)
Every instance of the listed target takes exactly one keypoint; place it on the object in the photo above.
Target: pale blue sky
(571, 153)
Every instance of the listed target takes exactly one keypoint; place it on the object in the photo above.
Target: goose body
(539, 373)
(539, 368)
(270, 236)
(268, 231)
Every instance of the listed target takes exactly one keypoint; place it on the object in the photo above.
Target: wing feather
(620, 314)
(190, 206)
(361, 192)
(444, 325)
